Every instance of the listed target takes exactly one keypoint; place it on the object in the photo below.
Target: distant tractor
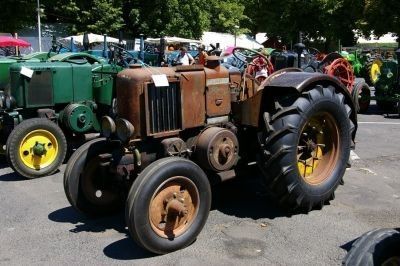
(365, 64)
(178, 128)
(333, 64)
(52, 105)
(387, 86)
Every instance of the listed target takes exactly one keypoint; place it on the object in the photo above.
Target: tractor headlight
(2, 100)
(125, 129)
(107, 126)
(9, 102)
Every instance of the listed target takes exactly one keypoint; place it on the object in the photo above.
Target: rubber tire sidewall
(338, 112)
(140, 196)
(374, 248)
(18, 134)
(72, 177)
(290, 188)
(359, 86)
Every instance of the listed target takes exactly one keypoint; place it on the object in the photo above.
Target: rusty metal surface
(174, 207)
(218, 98)
(217, 149)
(193, 102)
(130, 85)
(248, 112)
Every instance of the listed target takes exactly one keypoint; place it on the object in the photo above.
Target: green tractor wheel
(36, 148)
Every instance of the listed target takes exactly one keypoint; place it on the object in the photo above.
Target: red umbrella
(10, 41)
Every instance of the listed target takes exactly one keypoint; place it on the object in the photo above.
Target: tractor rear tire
(377, 247)
(36, 148)
(89, 190)
(361, 96)
(168, 205)
(306, 146)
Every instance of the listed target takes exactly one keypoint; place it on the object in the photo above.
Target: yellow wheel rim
(375, 70)
(318, 149)
(38, 149)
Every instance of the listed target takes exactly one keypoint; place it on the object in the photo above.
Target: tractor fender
(303, 81)
(284, 81)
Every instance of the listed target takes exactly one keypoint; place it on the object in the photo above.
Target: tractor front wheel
(168, 205)
(88, 185)
(306, 147)
(36, 148)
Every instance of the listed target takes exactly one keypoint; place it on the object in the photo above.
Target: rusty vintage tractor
(178, 129)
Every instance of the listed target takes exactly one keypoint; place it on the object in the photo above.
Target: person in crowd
(202, 55)
(184, 58)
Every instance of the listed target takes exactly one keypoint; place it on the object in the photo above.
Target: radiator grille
(163, 105)
(39, 91)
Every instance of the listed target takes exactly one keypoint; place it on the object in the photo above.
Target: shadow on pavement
(11, 177)
(243, 197)
(373, 109)
(84, 224)
(246, 197)
(126, 249)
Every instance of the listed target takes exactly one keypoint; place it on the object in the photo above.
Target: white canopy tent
(226, 40)
(93, 38)
(387, 38)
(172, 40)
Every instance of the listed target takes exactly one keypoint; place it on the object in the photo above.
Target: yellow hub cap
(38, 149)
(318, 149)
(375, 70)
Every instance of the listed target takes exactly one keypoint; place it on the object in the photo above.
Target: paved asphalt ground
(38, 226)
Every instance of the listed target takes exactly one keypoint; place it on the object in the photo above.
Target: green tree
(317, 19)
(381, 17)
(227, 15)
(15, 15)
(98, 16)
(104, 16)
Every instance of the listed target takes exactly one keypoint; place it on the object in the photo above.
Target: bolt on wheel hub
(38, 149)
(174, 207)
(317, 151)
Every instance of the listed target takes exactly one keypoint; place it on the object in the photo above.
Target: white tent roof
(171, 40)
(387, 38)
(93, 38)
(226, 40)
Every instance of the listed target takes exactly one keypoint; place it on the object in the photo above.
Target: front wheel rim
(173, 207)
(318, 148)
(38, 149)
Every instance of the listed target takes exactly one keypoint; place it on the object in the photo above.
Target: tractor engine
(217, 149)
(188, 118)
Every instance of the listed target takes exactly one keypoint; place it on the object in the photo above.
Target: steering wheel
(258, 65)
(121, 56)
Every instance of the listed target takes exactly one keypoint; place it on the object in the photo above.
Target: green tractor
(387, 88)
(51, 107)
(387, 91)
(6, 62)
(364, 64)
